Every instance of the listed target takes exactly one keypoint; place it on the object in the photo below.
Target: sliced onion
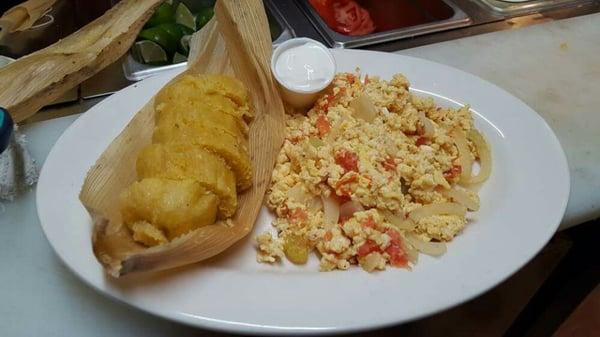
(331, 210)
(485, 157)
(364, 108)
(429, 248)
(400, 221)
(443, 208)
(428, 128)
(411, 252)
(314, 204)
(464, 155)
(348, 209)
(461, 197)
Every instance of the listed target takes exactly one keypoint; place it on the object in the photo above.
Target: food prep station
(291, 18)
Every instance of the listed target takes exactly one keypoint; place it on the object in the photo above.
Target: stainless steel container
(337, 40)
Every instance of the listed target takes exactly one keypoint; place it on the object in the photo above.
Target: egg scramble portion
(372, 175)
(198, 160)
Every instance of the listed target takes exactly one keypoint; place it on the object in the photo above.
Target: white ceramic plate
(521, 207)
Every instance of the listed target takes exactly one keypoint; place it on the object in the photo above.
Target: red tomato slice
(344, 16)
(351, 18)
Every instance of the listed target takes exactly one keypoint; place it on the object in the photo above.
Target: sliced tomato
(325, 10)
(351, 18)
(347, 159)
(344, 16)
(323, 125)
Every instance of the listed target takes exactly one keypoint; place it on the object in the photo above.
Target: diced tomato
(453, 172)
(342, 187)
(323, 125)
(328, 99)
(367, 248)
(328, 236)
(421, 141)
(369, 222)
(347, 159)
(397, 255)
(297, 215)
(366, 79)
(389, 164)
(394, 235)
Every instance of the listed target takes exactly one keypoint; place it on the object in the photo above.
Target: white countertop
(553, 67)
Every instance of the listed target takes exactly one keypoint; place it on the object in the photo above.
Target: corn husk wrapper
(236, 42)
(23, 16)
(42, 77)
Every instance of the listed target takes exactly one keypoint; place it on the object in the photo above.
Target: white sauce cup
(302, 97)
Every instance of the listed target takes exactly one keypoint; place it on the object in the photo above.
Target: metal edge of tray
(135, 71)
(337, 40)
(518, 8)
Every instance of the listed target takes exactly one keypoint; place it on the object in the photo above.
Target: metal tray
(511, 8)
(337, 40)
(135, 71)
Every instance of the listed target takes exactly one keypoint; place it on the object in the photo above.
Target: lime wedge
(184, 44)
(149, 52)
(183, 16)
(178, 58)
(204, 15)
(162, 37)
(172, 29)
(165, 13)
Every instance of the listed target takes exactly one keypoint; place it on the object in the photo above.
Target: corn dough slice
(228, 147)
(175, 207)
(183, 161)
(193, 88)
(211, 118)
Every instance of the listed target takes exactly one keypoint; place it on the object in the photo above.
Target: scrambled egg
(373, 168)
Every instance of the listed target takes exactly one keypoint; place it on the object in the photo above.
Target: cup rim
(292, 43)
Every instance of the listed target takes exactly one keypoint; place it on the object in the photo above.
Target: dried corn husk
(237, 42)
(24, 15)
(41, 77)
